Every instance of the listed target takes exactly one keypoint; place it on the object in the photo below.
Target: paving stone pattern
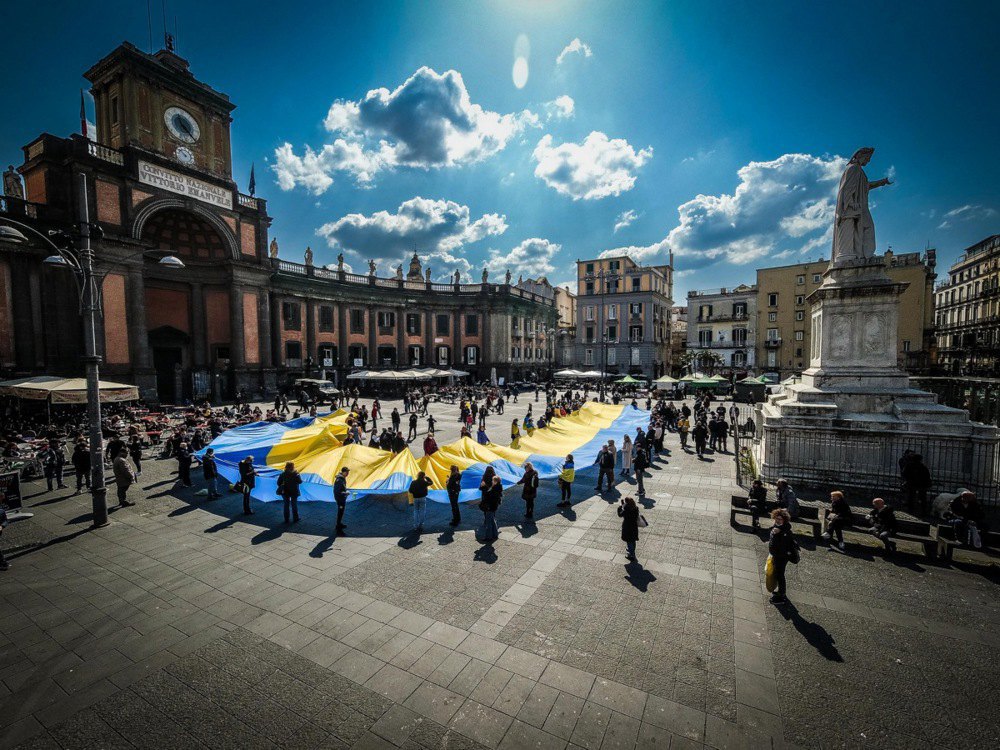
(185, 624)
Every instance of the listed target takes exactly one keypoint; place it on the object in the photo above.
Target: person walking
(135, 453)
(395, 419)
(683, 427)
(641, 464)
(81, 465)
(211, 473)
(781, 547)
(515, 434)
(124, 478)
(418, 497)
(288, 487)
(412, 434)
(340, 494)
(530, 491)
(626, 456)
(248, 480)
(566, 477)
(183, 456)
(628, 511)
(53, 460)
(492, 497)
(454, 487)
(700, 434)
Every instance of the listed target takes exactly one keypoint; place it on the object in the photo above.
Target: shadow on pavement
(814, 633)
(638, 576)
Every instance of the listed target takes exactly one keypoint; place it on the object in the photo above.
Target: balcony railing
(772, 343)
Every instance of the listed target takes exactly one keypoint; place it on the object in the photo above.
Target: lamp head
(10, 234)
(171, 261)
(57, 261)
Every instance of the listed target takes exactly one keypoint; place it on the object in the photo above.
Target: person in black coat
(606, 468)
(492, 493)
(780, 545)
(700, 435)
(454, 487)
(288, 487)
(916, 481)
(838, 517)
(248, 478)
(530, 491)
(81, 465)
(183, 456)
(641, 463)
(211, 473)
(883, 521)
(628, 511)
(758, 501)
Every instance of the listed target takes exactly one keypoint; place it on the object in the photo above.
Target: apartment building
(783, 312)
(968, 312)
(722, 329)
(623, 316)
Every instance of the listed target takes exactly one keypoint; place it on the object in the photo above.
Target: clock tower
(154, 103)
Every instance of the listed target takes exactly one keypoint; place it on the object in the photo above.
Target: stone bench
(808, 514)
(946, 542)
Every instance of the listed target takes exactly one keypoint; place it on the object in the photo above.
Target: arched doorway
(185, 341)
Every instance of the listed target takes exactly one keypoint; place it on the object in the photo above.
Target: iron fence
(869, 463)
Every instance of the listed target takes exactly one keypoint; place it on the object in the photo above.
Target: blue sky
(718, 131)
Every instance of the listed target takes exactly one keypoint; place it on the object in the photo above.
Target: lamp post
(81, 261)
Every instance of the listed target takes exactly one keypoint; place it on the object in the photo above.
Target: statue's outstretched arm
(879, 183)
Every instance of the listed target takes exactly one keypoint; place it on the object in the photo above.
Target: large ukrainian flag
(315, 445)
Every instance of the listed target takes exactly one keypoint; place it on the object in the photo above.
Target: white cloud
(576, 47)
(561, 108)
(427, 122)
(624, 219)
(91, 131)
(775, 205)
(967, 212)
(533, 257)
(779, 208)
(434, 229)
(596, 168)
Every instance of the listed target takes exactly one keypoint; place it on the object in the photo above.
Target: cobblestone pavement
(185, 624)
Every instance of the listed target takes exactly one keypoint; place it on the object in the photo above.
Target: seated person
(786, 498)
(758, 502)
(965, 515)
(838, 516)
(883, 521)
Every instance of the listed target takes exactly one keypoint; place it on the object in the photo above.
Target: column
(237, 344)
(198, 357)
(264, 323)
(430, 358)
(401, 359)
(135, 303)
(372, 336)
(310, 332)
(35, 294)
(342, 335)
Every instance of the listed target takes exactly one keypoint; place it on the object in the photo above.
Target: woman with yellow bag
(783, 549)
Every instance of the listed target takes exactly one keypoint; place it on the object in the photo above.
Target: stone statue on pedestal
(853, 228)
(309, 256)
(486, 275)
(458, 276)
(399, 272)
(371, 268)
(340, 262)
(506, 278)
(12, 186)
(428, 274)
(273, 248)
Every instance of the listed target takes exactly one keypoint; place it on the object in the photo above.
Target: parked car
(318, 391)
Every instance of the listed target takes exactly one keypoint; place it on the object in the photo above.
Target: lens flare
(520, 72)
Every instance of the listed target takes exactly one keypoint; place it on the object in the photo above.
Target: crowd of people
(131, 431)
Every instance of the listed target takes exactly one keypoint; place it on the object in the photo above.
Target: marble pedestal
(849, 419)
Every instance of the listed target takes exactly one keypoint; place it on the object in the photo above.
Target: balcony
(772, 343)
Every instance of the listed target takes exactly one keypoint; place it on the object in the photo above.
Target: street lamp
(80, 260)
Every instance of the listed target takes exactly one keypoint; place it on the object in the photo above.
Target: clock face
(181, 125)
(184, 155)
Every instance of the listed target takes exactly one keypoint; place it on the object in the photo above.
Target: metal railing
(869, 465)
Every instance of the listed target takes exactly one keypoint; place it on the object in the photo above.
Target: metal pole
(91, 311)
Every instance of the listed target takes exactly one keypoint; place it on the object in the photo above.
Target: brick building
(159, 180)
